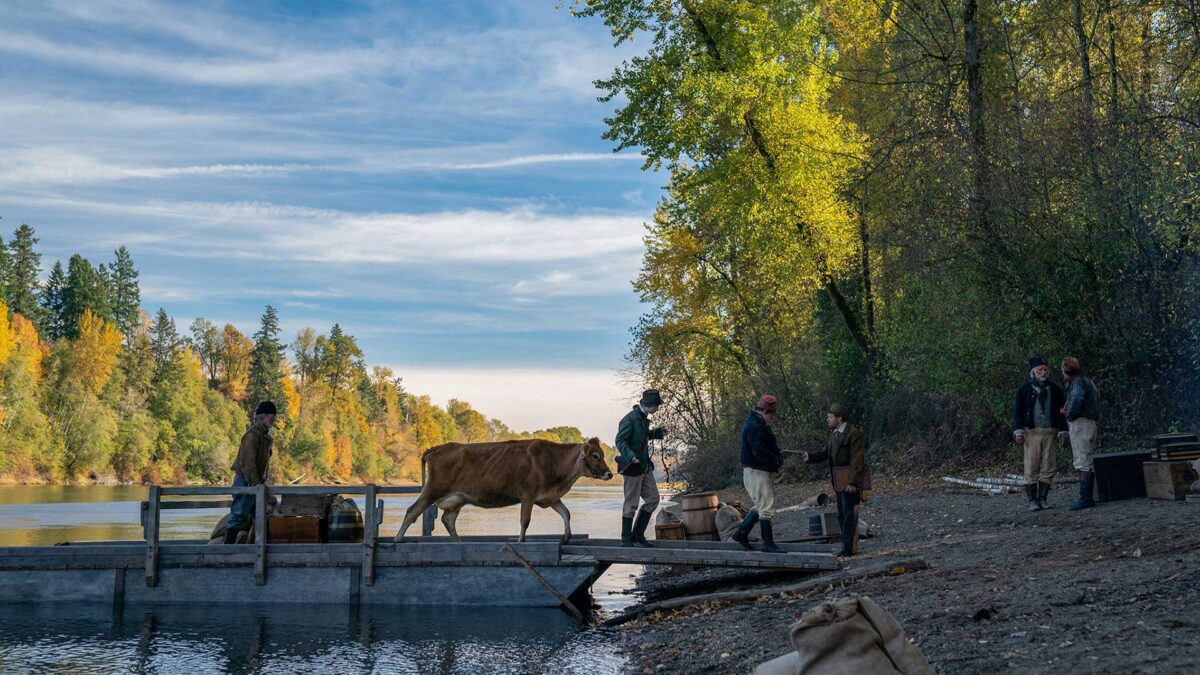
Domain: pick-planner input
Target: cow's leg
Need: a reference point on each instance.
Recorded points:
(561, 509)
(526, 513)
(410, 516)
(450, 507)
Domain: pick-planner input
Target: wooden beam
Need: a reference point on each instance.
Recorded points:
(705, 557)
(370, 535)
(873, 570)
(566, 603)
(152, 518)
(718, 545)
(260, 534)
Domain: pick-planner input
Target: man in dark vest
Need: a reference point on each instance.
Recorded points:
(633, 443)
(846, 453)
(250, 468)
(761, 460)
(1037, 422)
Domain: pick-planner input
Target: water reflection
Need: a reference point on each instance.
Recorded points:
(319, 639)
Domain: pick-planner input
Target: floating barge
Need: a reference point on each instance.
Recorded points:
(425, 570)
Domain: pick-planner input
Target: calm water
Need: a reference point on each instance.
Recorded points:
(317, 639)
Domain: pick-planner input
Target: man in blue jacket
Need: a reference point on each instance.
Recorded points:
(761, 460)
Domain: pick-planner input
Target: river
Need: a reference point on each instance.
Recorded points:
(294, 639)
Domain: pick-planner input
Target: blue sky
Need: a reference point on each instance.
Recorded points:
(428, 174)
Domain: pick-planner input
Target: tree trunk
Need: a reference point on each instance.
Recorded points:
(976, 135)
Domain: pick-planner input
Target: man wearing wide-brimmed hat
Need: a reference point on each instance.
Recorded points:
(761, 460)
(633, 443)
(250, 468)
(1037, 422)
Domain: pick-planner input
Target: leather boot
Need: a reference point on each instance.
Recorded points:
(742, 536)
(1087, 480)
(768, 537)
(639, 529)
(231, 536)
(1031, 493)
(626, 531)
(1043, 493)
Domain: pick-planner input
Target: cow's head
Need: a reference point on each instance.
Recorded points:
(593, 459)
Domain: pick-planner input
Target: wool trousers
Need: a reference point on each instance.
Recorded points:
(847, 506)
(1083, 439)
(640, 488)
(1041, 458)
(760, 485)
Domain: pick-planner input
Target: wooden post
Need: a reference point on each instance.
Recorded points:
(260, 533)
(152, 515)
(370, 534)
(566, 603)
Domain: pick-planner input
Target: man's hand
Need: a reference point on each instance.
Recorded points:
(1064, 437)
(635, 460)
(850, 489)
(1019, 435)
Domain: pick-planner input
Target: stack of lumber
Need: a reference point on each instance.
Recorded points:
(980, 486)
(1176, 447)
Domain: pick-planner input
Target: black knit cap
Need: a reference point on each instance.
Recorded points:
(1035, 361)
(265, 408)
(651, 397)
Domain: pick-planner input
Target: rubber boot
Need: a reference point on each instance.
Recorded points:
(1043, 493)
(1087, 481)
(768, 537)
(639, 529)
(1031, 493)
(626, 531)
(742, 536)
(231, 536)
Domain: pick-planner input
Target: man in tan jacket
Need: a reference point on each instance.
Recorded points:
(250, 468)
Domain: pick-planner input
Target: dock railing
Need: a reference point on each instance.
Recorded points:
(372, 517)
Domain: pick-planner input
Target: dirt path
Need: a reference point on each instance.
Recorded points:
(1114, 589)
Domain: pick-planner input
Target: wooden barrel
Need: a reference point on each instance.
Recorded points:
(700, 516)
(345, 523)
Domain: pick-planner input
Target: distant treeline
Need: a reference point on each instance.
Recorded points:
(92, 385)
(894, 204)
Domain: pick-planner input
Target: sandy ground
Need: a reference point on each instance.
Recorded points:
(1113, 589)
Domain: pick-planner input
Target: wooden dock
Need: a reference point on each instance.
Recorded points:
(426, 570)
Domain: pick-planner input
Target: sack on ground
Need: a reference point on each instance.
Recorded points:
(728, 520)
(847, 637)
(669, 513)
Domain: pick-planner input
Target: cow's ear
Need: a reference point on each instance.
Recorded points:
(594, 441)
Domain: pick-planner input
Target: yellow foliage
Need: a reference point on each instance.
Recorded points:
(8, 338)
(27, 346)
(342, 456)
(92, 357)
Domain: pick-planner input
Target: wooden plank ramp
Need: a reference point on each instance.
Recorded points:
(694, 553)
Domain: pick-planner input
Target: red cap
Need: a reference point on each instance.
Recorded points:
(767, 403)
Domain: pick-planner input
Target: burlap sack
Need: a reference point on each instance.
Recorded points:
(728, 520)
(848, 637)
(669, 513)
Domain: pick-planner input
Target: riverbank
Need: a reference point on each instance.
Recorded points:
(1109, 589)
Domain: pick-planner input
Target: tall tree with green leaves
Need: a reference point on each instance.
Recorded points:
(266, 365)
(86, 290)
(25, 264)
(52, 300)
(206, 344)
(124, 294)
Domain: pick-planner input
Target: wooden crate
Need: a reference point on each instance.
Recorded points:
(295, 529)
(670, 532)
(305, 505)
(1168, 480)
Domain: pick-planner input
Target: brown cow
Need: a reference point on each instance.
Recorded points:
(492, 475)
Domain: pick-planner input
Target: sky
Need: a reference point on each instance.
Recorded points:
(430, 175)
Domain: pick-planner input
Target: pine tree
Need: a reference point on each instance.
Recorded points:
(25, 265)
(165, 343)
(53, 295)
(266, 365)
(5, 271)
(103, 294)
(124, 294)
(85, 290)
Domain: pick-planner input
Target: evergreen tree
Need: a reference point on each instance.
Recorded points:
(266, 365)
(21, 289)
(53, 296)
(165, 343)
(103, 294)
(85, 290)
(5, 271)
(124, 294)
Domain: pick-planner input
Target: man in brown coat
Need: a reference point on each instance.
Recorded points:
(846, 453)
(250, 468)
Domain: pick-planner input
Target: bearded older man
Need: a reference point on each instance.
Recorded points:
(1038, 422)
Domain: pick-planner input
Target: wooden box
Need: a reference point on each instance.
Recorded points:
(1168, 480)
(295, 529)
(671, 532)
(1119, 474)
(305, 505)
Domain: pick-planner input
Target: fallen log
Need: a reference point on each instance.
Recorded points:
(994, 489)
(874, 570)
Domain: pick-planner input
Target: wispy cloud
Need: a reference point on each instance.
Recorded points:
(553, 158)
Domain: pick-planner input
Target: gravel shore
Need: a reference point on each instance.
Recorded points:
(1111, 589)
